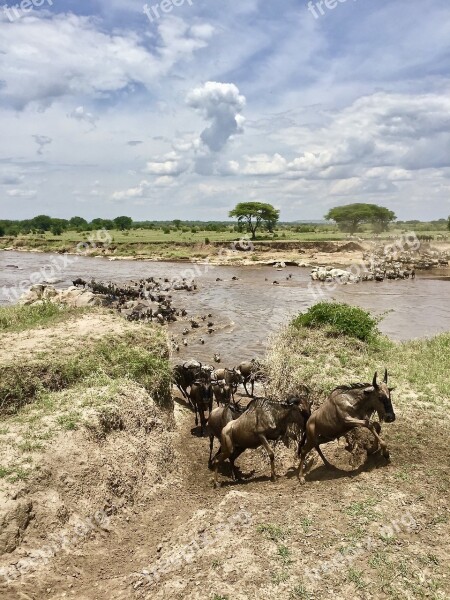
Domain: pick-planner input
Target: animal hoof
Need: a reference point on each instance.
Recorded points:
(301, 480)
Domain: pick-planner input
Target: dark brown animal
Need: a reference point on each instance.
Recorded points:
(262, 421)
(251, 372)
(345, 408)
(202, 400)
(222, 392)
(232, 377)
(217, 420)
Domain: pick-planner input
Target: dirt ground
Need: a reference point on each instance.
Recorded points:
(380, 531)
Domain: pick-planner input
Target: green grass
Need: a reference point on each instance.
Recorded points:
(284, 555)
(17, 318)
(140, 355)
(362, 509)
(299, 592)
(69, 421)
(356, 577)
(271, 531)
(340, 319)
(181, 244)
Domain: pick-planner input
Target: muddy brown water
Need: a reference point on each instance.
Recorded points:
(249, 310)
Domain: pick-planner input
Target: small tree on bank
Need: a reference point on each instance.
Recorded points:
(255, 214)
(352, 216)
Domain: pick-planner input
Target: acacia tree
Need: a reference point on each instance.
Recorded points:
(352, 216)
(123, 223)
(255, 214)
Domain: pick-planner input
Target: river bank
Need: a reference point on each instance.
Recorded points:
(336, 253)
(92, 473)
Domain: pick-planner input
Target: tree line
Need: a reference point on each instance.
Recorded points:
(251, 217)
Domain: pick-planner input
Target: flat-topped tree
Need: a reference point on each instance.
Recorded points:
(255, 214)
(351, 216)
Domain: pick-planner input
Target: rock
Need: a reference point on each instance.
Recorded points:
(13, 523)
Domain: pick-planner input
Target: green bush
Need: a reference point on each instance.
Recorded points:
(341, 319)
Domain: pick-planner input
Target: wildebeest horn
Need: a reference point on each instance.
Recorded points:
(374, 382)
(385, 376)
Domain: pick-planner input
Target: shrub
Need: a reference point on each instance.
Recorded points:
(206, 240)
(341, 319)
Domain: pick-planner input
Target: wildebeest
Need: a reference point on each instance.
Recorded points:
(202, 399)
(79, 281)
(251, 372)
(185, 374)
(217, 420)
(347, 406)
(222, 392)
(232, 377)
(263, 420)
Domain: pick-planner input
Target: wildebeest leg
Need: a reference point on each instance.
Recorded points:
(381, 442)
(244, 383)
(309, 442)
(326, 462)
(269, 451)
(253, 387)
(211, 446)
(233, 458)
(202, 420)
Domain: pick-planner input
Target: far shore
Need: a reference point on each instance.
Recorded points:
(336, 253)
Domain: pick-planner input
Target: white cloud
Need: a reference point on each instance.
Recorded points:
(171, 165)
(20, 193)
(221, 104)
(42, 59)
(81, 114)
(136, 192)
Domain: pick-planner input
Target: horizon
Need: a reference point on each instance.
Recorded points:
(183, 109)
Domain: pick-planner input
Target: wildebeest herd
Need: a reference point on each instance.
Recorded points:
(143, 300)
(344, 412)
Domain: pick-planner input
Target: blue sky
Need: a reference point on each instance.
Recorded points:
(104, 112)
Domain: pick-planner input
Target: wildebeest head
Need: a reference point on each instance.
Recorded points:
(380, 394)
(303, 404)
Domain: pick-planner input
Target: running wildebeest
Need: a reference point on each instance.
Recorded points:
(262, 421)
(217, 420)
(347, 406)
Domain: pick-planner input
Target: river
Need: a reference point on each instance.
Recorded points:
(250, 309)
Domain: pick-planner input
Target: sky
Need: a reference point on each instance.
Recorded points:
(182, 108)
